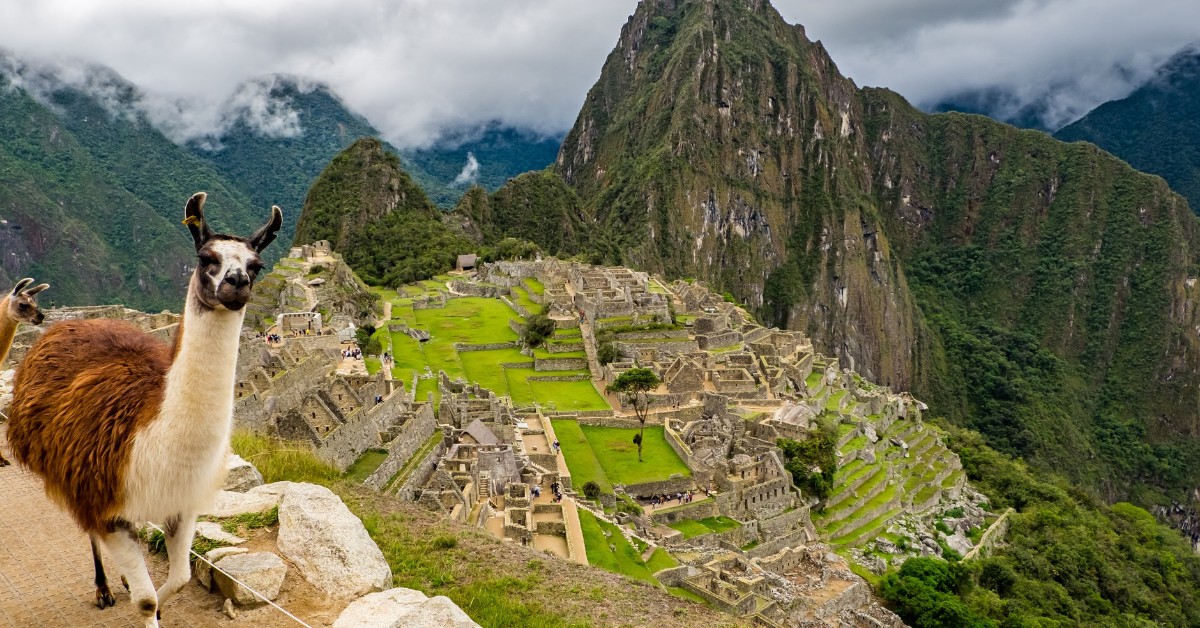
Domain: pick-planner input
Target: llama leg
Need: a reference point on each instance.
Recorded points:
(126, 551)
(179, 532)
(104, 597)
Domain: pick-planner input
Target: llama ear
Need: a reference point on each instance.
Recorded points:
(266, 234)
(193, 217)
(21, 285)
(36, 289)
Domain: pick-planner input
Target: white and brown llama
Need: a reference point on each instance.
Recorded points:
(18, 306)
(124, 428)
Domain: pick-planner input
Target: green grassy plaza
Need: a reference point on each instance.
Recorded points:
(607, 455)
(626, 559)
(476, 321)
(693, 528)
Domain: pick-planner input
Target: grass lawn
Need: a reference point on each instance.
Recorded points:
(521, 297)
(366, 465)
(690, 528)
(625, 560)
(661, 559)
(535, 286)
(575, 396)
(720, 524)
(614, 447)
(581, 460)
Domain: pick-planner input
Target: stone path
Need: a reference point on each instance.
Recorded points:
(46, 571)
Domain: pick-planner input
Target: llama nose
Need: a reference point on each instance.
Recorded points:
(237, 279)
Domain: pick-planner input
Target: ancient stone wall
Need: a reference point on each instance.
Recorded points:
(411, 436)
(560, 364)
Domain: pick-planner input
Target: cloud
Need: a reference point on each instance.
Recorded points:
(1061, 57)
(470, 171)
(412, 67)
(415, 68)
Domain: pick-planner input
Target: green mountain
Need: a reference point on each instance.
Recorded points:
(497, 152)
(91, 195)
(536, 207)
(378, 218)
(278, 168)
(1156, 128)
(1038, 291)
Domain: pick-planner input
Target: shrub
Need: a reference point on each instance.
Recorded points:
(538, 328)
(591, 490)
(606, 353)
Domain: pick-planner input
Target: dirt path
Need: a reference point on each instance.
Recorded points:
(46, 574)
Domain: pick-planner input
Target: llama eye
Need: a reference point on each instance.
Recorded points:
(207, 259)
(254, 267)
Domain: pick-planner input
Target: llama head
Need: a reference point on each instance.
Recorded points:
(21, 304)
(228, 264)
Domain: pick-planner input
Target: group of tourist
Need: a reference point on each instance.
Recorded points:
(352, 353)
(557, 488)
(272, 339)
(683, 497)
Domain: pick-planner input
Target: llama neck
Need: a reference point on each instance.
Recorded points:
(8, 329)
(198, 399)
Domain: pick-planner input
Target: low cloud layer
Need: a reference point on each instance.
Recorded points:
(415, 68)
(1063, 57)
(470, 171)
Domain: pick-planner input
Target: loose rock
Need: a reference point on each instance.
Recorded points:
(261, 571)
(403, 608)
(241, 476)
(214, 532)
(204, 572)
(258, 499)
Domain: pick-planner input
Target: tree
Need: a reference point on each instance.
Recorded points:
(606, 353)
(538, 328)
(362, 336)
(633, 386)
(591, 490)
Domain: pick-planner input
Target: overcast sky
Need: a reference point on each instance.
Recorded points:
(414, 67)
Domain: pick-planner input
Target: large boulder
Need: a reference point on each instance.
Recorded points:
(238, 575)
(328, 544)
(241, 476)
(403, 608)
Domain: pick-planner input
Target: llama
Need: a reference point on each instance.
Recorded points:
(124, 428)
(18, 306)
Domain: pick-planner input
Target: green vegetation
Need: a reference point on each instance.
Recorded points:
(537, 328)
(279, 461)
(93, 200)
(352, 204)
(625, 559)
(1154, 127)
(812, 462)
(501, 152)
(614, 447)
(605, 455)
(633, 385)
(1068, 559)
(535, 206)
(692, 528)
(366, 464)
(581, 459)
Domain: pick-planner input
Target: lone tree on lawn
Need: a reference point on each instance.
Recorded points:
(633, 386)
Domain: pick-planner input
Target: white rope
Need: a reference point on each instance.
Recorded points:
(243, 584)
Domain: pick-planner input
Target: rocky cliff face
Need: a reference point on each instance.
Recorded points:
(721, 143)
(1039, 291)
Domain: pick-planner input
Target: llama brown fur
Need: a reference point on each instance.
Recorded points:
(119, 375)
